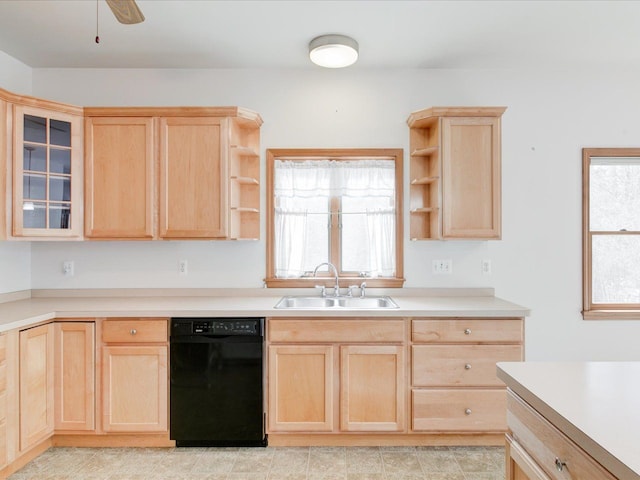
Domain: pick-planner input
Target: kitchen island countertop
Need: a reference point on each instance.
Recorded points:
(595, 404)
(46, 305)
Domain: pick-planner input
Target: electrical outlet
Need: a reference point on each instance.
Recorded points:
(485, 267)
(68, 268)
(443, 267)
(183, 267)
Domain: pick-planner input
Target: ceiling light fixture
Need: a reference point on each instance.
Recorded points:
(333, 51)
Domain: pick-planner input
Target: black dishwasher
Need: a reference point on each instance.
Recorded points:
(216, 382)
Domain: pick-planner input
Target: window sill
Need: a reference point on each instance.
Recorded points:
(310, 282)
(611, 315)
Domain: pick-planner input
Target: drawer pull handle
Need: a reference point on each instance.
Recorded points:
(467, 411)
(467, 366)
(560, 464)
(467, 331)
(133, 331)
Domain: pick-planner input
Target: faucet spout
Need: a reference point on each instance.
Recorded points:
(336, 288)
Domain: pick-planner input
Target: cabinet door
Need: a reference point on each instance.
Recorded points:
(74, 376)
(36, 385)
(47, 173)
(372, 386)
(119, 180)
(134, 388)
(193, 177)
(520, 466)
(301, 394)
(471, 177)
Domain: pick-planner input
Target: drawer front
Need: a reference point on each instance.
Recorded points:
(314, 330)
(459, 410)
(556, 454)
(467, 330)
(133, 330)
(460, 365)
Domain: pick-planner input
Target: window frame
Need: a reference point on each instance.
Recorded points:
(591, 310)
(326, 278)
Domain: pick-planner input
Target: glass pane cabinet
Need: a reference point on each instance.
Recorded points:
(47, 173)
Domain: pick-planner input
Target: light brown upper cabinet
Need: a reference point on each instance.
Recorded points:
(119, 177)
(172, 173)
(193, 187)
(47, 173)
(455, 190)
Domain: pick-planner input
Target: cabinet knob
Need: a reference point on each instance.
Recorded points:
(467, 366)
(467, 331)
(560, 464)
(133, 331)
(467, 411)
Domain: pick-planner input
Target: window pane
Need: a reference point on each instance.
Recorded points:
(368, 235)
(614, 196)
(59, 216)
(615, 269)
(34, 215)
(35, 129)
(60, 189)
(34, 158)
(34, 187)
(60, 133)
(60, 161)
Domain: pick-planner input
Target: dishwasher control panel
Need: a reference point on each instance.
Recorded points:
(216, 326)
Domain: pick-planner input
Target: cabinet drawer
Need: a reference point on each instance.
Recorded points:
(314, 330)
(134, 330)
(467, 330)
(460, 410)
(547, 445)
(460, 365)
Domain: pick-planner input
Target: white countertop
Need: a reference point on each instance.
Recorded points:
(240, 303)
(593, 403)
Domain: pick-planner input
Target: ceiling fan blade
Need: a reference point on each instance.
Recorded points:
(126, 11)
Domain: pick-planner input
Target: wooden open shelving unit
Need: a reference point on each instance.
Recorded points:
(244, 179)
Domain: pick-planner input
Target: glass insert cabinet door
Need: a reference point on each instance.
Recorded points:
(47, 173)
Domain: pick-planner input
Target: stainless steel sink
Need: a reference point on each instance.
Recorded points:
(333, 302)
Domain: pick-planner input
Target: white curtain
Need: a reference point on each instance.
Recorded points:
(303, 190)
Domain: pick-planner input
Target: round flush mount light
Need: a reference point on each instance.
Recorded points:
(333, 51)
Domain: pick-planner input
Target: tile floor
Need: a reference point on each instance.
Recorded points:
(271, 463)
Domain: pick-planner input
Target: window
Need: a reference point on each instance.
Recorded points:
(611, 236)
(337, 206)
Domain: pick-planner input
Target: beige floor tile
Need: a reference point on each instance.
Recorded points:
(272, 463)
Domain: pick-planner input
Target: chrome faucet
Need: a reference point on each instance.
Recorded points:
(336, 288)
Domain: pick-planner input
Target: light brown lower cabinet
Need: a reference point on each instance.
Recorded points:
(321, 380)
(372, 386)
(537, 450)
(75, 370)
(301, 388)
(135, 375)
(3, 400)
(36, 385)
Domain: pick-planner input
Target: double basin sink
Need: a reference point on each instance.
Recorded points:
(336, 302)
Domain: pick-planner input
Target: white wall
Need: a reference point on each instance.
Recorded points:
(15, 258)
(550, 117)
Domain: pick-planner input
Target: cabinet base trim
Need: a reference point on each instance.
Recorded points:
(372, 440)
(134, 440)
(25, 458)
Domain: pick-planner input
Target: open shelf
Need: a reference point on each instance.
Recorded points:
(425, 152)
(244, 181)
(424, 180)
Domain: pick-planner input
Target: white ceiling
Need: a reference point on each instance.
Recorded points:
(275, 34)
